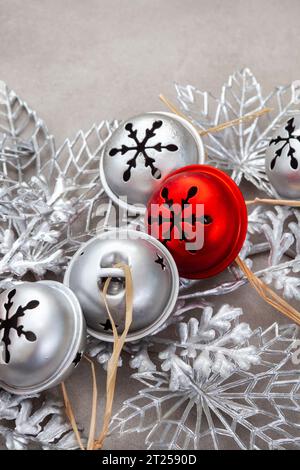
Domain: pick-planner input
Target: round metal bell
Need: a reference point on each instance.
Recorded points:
(283, 159)
(217, 232)
(142, 151)
(42, 336)
(154, 275)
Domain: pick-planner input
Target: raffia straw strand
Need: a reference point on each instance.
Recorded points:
(234, 122)
(70, 415)
(117, 348)
(220, 127)
(173, 108)
(93, 420)
(268, 294)
(94, 444)
(274, 202)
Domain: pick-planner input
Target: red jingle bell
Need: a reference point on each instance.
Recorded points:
(200, 215)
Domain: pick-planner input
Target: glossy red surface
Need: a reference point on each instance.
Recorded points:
(222, 221)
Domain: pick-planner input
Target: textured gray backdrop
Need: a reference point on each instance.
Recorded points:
(80, 61)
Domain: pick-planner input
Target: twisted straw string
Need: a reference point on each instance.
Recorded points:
(268, 294)
(274, 202)
(70, 413)
(117, 348)
(219, 127)
(112, 368)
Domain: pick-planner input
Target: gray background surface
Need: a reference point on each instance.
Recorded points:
(77, 62)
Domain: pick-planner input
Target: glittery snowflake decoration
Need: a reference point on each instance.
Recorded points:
(219, 387)
(33, 422)
(240, 149)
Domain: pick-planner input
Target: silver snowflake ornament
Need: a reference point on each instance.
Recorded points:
(37, 421)
(246, 396)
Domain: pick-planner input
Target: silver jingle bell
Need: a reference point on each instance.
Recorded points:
(142, 151)
(42, 333)
(154, 275)
(283, 159)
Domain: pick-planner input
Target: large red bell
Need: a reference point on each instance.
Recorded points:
(200, 215)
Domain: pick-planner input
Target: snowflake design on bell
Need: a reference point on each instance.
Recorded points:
(11, 323)
(141, 147)
(176, 219)
(286, 141)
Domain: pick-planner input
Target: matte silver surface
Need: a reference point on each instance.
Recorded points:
(132, 168)
(155, 285)
(283, 159)
(57, 324)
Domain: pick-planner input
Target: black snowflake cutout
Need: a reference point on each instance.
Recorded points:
(177, 217)
(290, 128)
(141, 147)
(11, 323)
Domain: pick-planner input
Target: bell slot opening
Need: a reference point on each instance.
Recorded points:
(116, 285)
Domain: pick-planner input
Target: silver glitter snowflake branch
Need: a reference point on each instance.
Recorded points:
(205, 400)
(28, 415)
